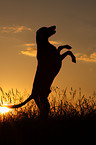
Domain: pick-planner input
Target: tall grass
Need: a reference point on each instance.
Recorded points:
(62, 104)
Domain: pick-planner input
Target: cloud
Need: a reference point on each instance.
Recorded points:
(15, 29)
(29, 52)
(54, 42)
(30, 49)
(30, 44)
(85, 57)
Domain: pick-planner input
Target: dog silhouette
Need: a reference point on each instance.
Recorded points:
(49, 65)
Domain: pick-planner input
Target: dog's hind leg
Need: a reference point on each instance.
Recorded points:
(43, 105)
(68, 53)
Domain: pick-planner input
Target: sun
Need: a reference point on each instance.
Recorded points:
(4, 110)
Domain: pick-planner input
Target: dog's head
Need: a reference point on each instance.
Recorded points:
(44, 33)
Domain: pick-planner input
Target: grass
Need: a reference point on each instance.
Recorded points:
(72, 117)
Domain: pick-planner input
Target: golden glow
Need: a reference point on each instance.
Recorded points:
(4, 110)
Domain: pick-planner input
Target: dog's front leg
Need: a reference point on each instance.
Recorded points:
(64, 46)
(69, 53)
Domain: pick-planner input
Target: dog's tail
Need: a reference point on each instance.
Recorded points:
(19, 105)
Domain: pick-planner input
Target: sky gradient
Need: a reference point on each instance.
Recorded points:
(76, 25)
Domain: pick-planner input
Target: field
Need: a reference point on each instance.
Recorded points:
(72, 119)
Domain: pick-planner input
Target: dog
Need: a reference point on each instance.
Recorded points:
(49, 64)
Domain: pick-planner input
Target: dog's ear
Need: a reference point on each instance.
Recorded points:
(42, 34)
(42, 31)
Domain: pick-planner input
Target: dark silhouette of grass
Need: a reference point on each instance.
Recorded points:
(71, 119)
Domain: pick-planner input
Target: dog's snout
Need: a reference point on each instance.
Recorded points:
(52, 27)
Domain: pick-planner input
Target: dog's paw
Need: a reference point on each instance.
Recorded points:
(74, 59)
(68, 47)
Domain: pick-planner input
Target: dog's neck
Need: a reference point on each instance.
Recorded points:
(43, 42)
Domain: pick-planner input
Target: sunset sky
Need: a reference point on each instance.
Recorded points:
(76, 25)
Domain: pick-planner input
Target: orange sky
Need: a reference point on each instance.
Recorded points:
(76, 26)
